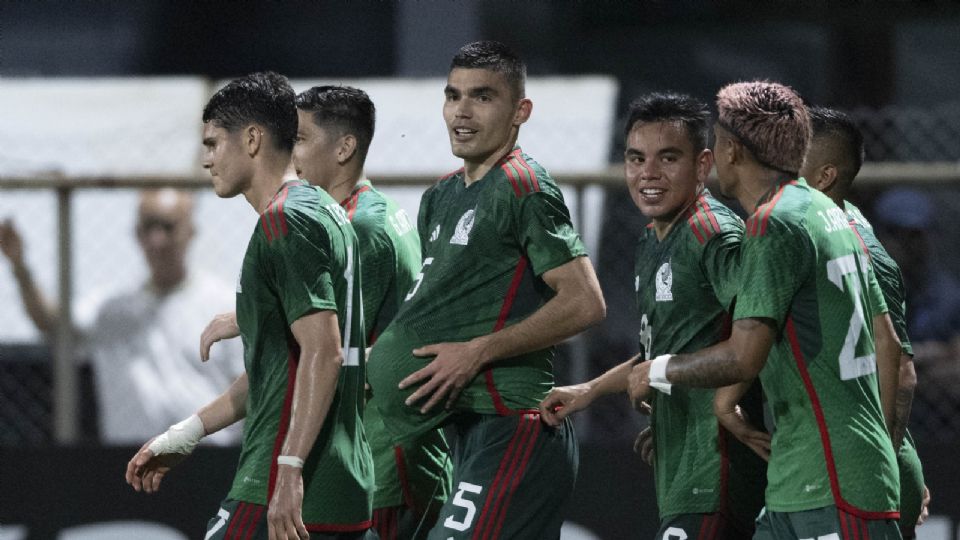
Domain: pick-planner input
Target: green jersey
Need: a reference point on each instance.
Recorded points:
(685, 285)
(485, 248)
(888, 275)
(390, 251)
(804, 268)
(302, 258)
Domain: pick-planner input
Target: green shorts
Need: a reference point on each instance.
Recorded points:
(238, 520)
(513, 477)
(402, 523)
(827, 523)
(714, 526)
(911, 487)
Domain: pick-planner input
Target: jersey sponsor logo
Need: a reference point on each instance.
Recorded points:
(665, 283)
(702, 491)
(462, 234)
(435, 234)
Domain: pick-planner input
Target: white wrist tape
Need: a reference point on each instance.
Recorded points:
(658, 373)
(181, 438)
(292, 461)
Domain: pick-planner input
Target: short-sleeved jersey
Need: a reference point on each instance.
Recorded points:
(390, 256)
(888, 275)
(485, 247)
(685, 285)
(302, 258)
(804, 269)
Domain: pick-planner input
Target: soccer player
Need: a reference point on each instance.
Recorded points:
(687, 273)
(335, 130)
(504, 278)
(807, 316)
(832, 162)
(305, 465)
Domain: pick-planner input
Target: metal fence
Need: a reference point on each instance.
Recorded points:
(79, 241)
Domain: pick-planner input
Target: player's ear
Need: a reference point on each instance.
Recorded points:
(347, 148)
(524, 108)
(825, 177)
(704, 164)
(252, 139)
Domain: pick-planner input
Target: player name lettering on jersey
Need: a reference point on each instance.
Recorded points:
(834, 220)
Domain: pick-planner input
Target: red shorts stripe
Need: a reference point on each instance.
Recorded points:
(242, 523)
(252, 528)
(233, 520)
(506, 486)
(498, 479)
(534, 420)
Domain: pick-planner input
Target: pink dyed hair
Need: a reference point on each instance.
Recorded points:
(769, 119)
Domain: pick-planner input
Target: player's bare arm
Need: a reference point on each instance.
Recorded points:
(157, 456)
(577, 305)
(738, 359)
(42, 313)
(731, 417)
(907, 382)
(564, 400)
(222, 326)
(888, 374)
(321, 357)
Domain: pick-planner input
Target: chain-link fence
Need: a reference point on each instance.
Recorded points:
(105, 260)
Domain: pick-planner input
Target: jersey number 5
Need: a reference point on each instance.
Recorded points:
(846, 270)
(416, 286)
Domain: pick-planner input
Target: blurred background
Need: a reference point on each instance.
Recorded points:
(101, 99)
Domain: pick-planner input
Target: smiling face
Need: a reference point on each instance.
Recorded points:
(663, 171)
(224, 156)
(482, 114)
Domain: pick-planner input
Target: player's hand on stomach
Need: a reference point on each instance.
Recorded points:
(285, 514)
(644, 445)
(453, 367)
(223, 326)
(146, 470)
(564, 400)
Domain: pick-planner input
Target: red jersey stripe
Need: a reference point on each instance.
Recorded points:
(280, 215)
(402, 474)
(696, 231)
(825, 434)
(513, 181)
(530, 172)
(705, 227)
(705, 206)
(504, 490)
(293, 358)
(266, 227)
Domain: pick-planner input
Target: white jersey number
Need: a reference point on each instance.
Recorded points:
(459, 500)
(416, 286)
(851, 365)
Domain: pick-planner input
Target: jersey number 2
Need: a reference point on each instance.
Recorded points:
(852, 365)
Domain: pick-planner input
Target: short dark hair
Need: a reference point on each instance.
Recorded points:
(672, 107)
(264, 98)
(493, 56)
(843, 131)
(343, 108)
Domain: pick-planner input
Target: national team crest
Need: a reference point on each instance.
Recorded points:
(462, 235)
(664, 282)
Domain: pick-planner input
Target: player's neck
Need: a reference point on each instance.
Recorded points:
(262, 189)
(756, 183)
(663, 226)
(343, 184)
(475, 169)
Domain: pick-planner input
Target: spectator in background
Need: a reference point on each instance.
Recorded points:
(142, 342)
(905, 221)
